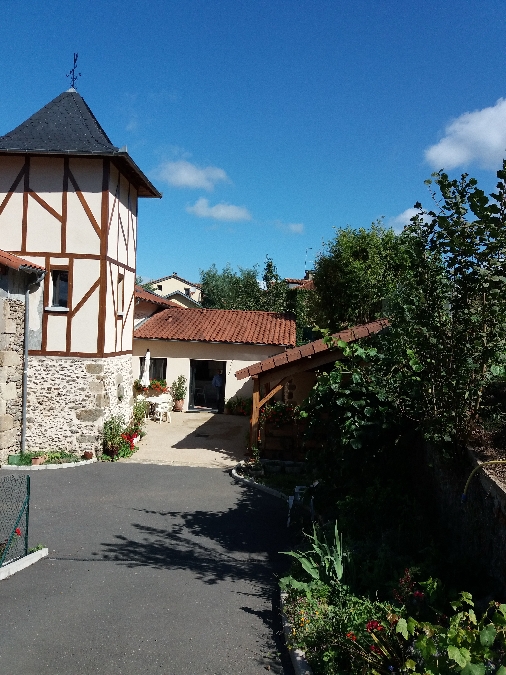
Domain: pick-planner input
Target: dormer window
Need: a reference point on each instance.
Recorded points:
(187, 292)
(60, 280)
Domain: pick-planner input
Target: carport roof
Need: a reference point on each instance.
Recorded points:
(311, 349)
(219, 325)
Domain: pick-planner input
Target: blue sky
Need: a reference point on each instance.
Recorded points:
(267, 124)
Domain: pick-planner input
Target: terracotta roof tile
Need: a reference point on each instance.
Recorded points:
(147, 296)
(16, 263)
(312, 348)
(219, 325)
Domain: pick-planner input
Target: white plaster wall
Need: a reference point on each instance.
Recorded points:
(57, 332)
(89, 175)
(112, 242)
(43, 232)
(86, 273)
(46, 179)
(81, 235)
(84, 331)
(12, 215)
(171, 285)
(178, 355)
(11, 221)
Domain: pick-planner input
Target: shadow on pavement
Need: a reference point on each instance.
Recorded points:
(242, 542)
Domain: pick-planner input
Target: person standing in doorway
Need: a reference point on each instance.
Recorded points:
(218, 384)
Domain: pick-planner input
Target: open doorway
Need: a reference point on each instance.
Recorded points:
(202, 394)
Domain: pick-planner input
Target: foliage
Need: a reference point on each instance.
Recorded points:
(230, 290)
(178, 388)
(239, 406)
(461, 643)
(51, 457)
(139, 411)
(117, 441)
(355, 275)
(278, 413)
(146, 285)
(159, 386)
(323, 562)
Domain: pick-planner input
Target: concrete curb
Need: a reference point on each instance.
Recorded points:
(300, 665)
(258, 486)
(18, 565)
(67, 465)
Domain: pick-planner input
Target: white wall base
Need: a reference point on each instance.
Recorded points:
(18, 565)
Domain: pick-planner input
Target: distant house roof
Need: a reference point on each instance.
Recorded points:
(219, 325)
(147, 296)
(175, 276)
(16, 263)
(312, 348)
(185, 297)
(307, 284)
(67, 126)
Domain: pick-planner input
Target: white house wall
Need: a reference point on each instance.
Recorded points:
(179, 354)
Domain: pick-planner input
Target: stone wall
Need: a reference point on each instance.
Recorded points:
(69, 398)
(11, 374)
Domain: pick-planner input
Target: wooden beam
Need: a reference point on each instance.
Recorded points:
(255, 414)
(273, 392)
(301, 366)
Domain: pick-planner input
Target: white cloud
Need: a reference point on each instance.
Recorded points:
(474, 136)
(221, 211)
(291, 228)
(184, 174)
(399, 222)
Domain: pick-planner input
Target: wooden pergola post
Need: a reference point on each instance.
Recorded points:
(255, 414)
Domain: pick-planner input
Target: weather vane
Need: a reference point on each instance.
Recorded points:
(72, 74)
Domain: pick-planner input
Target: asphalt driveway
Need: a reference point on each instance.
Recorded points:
(152, 569)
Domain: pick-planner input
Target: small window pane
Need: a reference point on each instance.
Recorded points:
(60, 288)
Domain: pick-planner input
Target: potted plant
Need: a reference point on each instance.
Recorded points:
(178, 391)
(38, 459)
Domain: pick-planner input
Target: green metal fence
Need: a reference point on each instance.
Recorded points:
(14, 516)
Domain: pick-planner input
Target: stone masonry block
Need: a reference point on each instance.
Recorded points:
(119, 378)
(8, 391)
(94, 368)
(7, 439)
(103, 400)
(9, 358)
(6, 422)
(90, 415)
(10, 327)
(97, 387)
(83, 438)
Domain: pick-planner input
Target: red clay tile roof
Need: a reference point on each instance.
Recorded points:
(349, 335)
(219, 325)
(147, 296)
(307, 284)
(16, 263)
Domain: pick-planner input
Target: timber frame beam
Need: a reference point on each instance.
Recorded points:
(278, 377)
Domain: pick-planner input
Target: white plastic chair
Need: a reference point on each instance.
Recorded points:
(161, 411)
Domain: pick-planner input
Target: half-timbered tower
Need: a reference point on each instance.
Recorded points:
(68, 202)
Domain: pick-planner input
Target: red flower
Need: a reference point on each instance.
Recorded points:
(419, 595)
(351, 636)
(375, 649)
(18, 531)
(373, 625)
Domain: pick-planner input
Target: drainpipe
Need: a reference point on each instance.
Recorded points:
(37, 278)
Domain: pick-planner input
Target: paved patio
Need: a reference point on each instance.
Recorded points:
(194, 439)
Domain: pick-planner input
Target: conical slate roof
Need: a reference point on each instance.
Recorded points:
(66, 125)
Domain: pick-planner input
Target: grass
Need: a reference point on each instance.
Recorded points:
(52, 457)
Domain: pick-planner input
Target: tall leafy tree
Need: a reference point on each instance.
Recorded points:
(355, 275)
